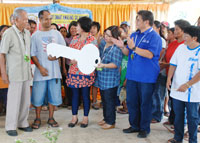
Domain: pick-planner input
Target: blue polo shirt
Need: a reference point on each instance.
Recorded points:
(142, 69)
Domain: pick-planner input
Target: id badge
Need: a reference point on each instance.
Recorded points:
(99, 69)
(26, 58)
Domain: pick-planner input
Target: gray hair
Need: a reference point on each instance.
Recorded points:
(17, 13)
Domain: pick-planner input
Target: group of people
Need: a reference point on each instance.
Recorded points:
(144, 63)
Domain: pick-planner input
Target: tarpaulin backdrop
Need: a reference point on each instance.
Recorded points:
(61, 15)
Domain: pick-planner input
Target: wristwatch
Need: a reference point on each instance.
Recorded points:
(134, 48)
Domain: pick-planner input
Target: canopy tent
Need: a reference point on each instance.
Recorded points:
(106, 15)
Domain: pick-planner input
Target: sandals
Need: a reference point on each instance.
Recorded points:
(36, 125)
(173, 141)
(122, 111)
(53, 123)
(166, 114)
(95, 106)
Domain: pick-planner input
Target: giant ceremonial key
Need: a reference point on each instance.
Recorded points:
(87, 58)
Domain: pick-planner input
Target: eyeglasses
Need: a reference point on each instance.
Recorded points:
(106, 34)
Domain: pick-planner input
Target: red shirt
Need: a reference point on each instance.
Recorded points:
(170, 51)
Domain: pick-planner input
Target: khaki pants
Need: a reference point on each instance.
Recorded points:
(18, 102)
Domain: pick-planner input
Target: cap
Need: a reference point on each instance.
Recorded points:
(125, 23)
(165, 23)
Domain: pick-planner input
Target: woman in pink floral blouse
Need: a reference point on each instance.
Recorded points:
(76, 79)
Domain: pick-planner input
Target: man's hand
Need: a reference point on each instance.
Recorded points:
(43, 71)
(183, 88)
(50, 58)
(130, 42)
(5, 78)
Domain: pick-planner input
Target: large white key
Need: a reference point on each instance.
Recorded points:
(87, 58)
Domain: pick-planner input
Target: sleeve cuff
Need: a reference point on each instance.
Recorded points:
(173, 64)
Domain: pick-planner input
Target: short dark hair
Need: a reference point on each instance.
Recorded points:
(3, 26)
(63, 27)
(30, 21)
(73, 23)
(146, 15)
(96, 24)
(85, 23)
(182, 24)
(41, 13)
(193, 31)
(124, 29)
(171, 29)
(56, 26)
(158, 25)
(114, 31)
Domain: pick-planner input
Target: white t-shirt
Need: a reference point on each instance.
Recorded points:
(164, 44)
(187, 62)
(39, 42)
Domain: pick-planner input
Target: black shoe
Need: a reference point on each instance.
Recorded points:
(83, 125)
(12, 132)
(71, 125)
(142, 134)
(27, 129)
(130, 130)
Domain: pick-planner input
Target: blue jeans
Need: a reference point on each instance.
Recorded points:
(108, 98)
(139, 103)
(86, 100)
(192, 118)
(158, 98)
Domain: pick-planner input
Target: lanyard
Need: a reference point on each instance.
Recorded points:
(141, 38)
(22, 41)
(107, 53)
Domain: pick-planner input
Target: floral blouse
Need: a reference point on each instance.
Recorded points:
(75, 78)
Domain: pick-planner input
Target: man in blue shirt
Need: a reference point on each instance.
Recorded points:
(143, 52)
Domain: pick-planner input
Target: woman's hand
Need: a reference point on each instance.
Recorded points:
(101, 65)
(119, 43)
(183, 87)
(73, 62)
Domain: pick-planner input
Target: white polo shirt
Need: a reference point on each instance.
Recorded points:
(187, 62)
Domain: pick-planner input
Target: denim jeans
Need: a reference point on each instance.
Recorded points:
(192, 118)
(158, 98)
(108, 98)
(139, 103)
